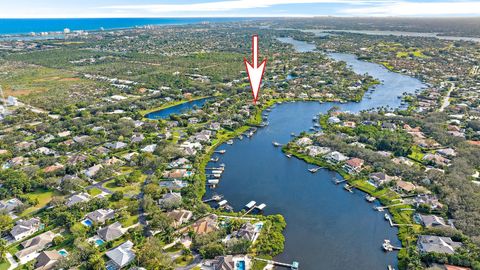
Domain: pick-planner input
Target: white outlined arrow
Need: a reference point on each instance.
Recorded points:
(255, 72)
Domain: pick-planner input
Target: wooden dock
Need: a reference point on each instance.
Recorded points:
(293, 265)
(214, 198)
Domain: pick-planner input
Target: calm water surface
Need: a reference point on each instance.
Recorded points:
(327, 227)
(177, 109)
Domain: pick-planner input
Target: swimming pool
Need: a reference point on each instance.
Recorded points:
(87, 222)
(99, 242)
(240, 265)
(63, 252)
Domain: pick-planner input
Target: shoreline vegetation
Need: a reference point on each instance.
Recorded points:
(406, 234)
(170, 105)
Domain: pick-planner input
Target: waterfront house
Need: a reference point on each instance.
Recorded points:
(354, 165)
(25, 228)
(47, 260)
(179, 217)
(32, 246)
(122, 255)
(431, 221)
(335, 157)
(304, 141)
(437, 266)
(437, 244)
(78, 198)
(427, 199)
(333, 120)
(379, 178)
(205, 225)
(111, 232)
(229, 262)
(314, 150)
(100, 216)
(247, 231)
(404, 186)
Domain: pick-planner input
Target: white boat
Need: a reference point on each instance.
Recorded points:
(222, 203)
(276, 144)
(213, 181)
(289, 155)
(370, 198)
(230, 142)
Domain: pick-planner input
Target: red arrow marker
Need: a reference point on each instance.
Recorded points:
(255, 72)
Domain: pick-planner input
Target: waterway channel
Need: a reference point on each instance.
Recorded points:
(327, 227)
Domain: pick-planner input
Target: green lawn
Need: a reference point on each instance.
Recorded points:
(416, 154)
(43, 197)
(129, 189)
(4, 265)
(183, 260)
(130, 221)
(94, 191)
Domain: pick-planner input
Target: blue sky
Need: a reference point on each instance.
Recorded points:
(233, 8)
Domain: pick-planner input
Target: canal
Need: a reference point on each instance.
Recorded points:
(327, 227)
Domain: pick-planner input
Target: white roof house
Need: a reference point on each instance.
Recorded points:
(78, 198)
(122, 255)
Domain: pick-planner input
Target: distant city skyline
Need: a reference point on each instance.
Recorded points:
(235, 8)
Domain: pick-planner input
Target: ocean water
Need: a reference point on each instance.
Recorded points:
(25, 26)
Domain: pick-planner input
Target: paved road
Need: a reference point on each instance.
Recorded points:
(11, 260)
(446, 100)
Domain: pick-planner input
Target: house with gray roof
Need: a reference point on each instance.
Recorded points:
(111, 232)
(8, 206)
(32, 246)
(25, 228)
(122, 255)
(47, 260)
(101, 215)
(78, 198)
(437, 244)
(431, 221)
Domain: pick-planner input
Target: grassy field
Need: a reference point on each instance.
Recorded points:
(43, 197)
(4, 265)
(129, 189)
(94, 191)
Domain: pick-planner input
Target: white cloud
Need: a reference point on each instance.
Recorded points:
(417, 9)
(230, 5)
